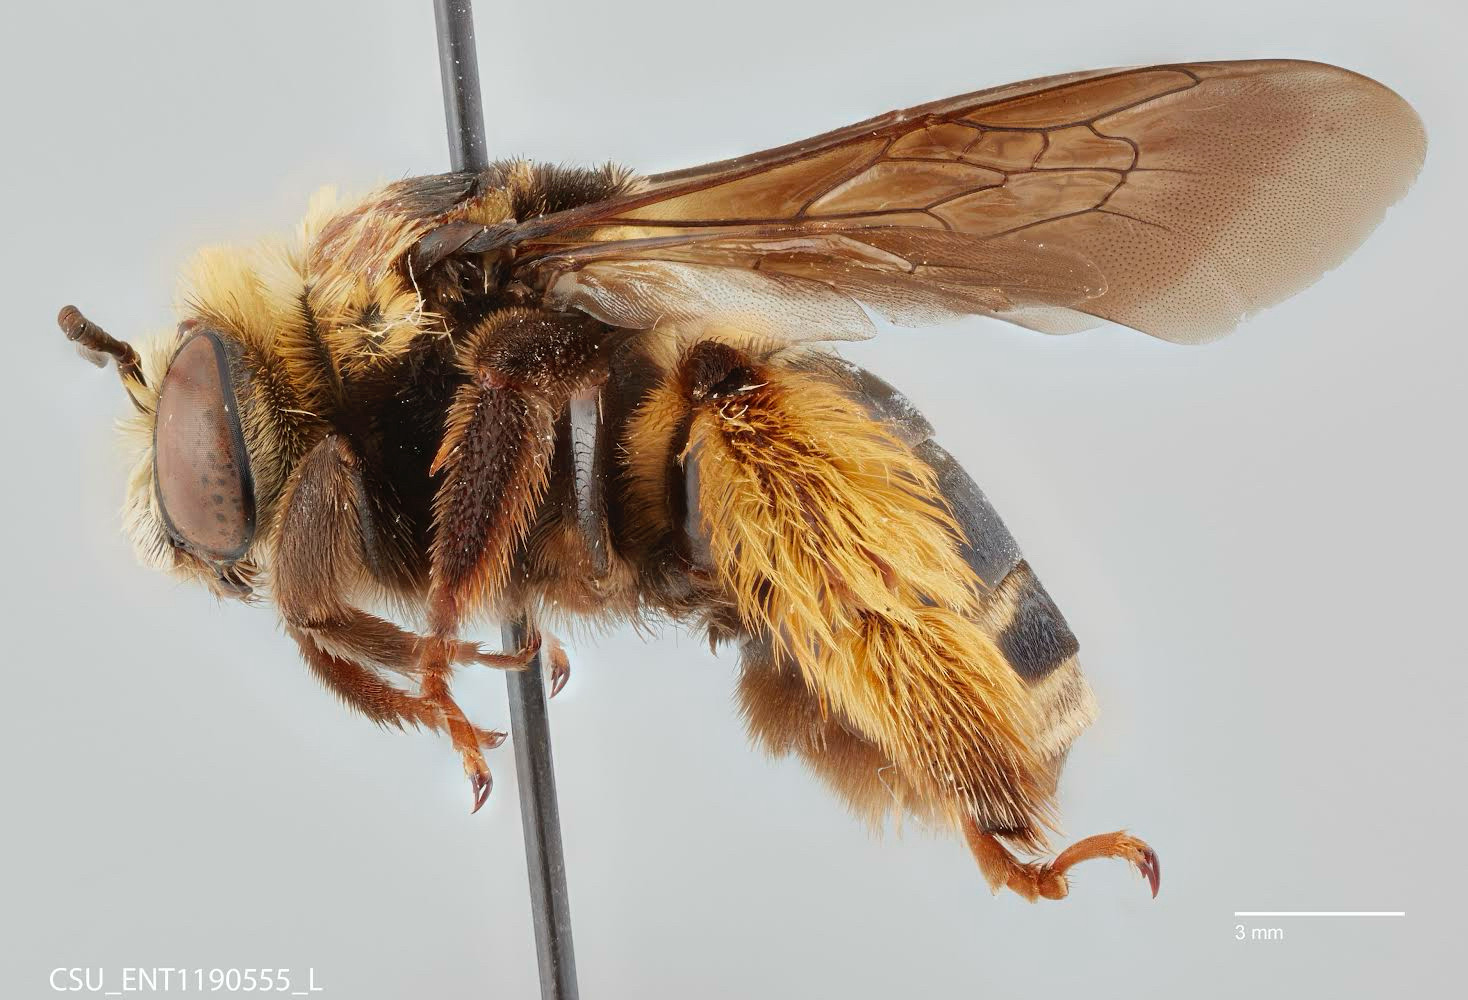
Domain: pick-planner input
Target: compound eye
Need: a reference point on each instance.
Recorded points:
(202, 469)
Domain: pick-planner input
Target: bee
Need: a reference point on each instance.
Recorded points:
(585, 394)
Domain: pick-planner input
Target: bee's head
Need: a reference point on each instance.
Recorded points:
(192, 505)
(228, 402)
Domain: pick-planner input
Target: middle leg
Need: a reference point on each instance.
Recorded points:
(493, 466)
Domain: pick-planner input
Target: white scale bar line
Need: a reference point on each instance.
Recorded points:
(1320, 913)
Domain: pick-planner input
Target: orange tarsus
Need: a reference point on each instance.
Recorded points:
(1033, 881)
(560, 666)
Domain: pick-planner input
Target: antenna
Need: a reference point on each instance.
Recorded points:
(97, 345)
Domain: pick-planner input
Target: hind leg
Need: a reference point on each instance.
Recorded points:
(1035, 880)
(784, 718)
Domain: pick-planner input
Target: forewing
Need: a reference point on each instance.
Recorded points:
(1173, 199)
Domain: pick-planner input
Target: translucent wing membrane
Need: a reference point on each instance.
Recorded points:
(1173, 199)
(804, 287)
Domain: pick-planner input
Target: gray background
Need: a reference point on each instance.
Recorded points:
(1259, 543)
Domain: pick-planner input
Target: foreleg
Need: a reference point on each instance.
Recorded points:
(325, 532)
(367, 691)
(322, 549)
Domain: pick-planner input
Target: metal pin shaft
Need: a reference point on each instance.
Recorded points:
(458, 70)
(540, 817)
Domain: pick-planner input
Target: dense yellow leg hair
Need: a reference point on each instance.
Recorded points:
(832, 538)
(951, 713)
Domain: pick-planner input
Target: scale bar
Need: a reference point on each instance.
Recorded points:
(1320, 913)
